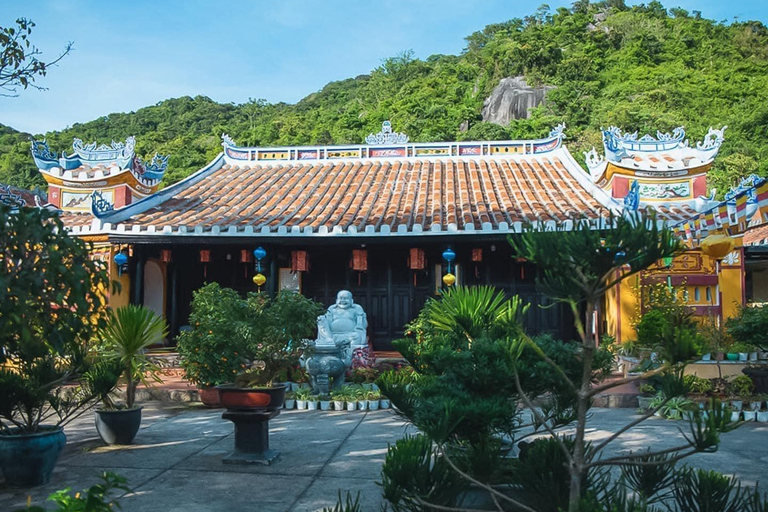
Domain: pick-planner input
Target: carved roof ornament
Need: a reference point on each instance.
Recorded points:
(386, 136)
(9, 198)
(99, 205)
(226, 140)
(712, 140)
(116, 151)
(592, 158)
(747, 185)
(632, 199)
(558, 131)
(40, 149)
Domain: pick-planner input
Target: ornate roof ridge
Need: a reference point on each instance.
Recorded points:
(388, 144)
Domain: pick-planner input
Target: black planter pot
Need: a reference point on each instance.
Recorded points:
(28, 459)
(118, 427)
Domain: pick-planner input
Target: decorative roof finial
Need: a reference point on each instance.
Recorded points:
(386, 136)
(226, 140)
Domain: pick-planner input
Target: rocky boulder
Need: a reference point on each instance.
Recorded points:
(512, 99)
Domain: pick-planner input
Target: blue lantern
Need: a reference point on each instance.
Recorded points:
(259, 253)
(449, 255)
(121, 260)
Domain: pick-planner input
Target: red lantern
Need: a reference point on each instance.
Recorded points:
(417, 260)
(205, 256)
(299, 261)
(246, 256)
(360, 260)
(477, 255)
(165, 256)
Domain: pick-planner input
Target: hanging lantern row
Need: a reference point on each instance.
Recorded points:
(449, 278)
(259, 279)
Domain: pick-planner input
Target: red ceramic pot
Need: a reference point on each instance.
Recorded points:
(269, 399)
(210, 397)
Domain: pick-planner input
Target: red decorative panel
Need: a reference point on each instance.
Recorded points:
(246, 256)
(700, 186)
(477, 254)
(54, 196)
(360, 260)
(620, 187)
(386, 152)
(122, 196)
(299, 261)
(165, 256)
(417, 260)
(205, 256)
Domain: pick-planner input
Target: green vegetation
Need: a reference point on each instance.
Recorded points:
(641, 68)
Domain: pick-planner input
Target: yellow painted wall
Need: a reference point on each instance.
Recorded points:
(123, 298)
(622, 302)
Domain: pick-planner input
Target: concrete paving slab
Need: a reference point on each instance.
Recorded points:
(176, 463)
(185, 491)
(306, 442)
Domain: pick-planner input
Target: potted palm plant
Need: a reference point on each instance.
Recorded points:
(50, 307)
(290, 400)
(312, 401)
(325, 402)
(373, 398)
(125, 339)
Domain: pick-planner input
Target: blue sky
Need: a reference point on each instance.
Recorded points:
(128, 55)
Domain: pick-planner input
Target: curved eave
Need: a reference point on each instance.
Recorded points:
(113, 179)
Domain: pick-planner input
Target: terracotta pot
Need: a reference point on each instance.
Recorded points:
(270, 399)
(210, 397)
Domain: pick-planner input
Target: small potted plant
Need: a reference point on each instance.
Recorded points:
(647, 392)
(740, 388)
(325, 402)
(361, 396)
(373, 398)
(338, 396)
(312, 401)
(130, 330)
(350, 397)
(290, 400)
(384, 403)
(302, 395)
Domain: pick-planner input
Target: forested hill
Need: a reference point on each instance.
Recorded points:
(641, 68)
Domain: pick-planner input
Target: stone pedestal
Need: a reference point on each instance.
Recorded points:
(251, 437)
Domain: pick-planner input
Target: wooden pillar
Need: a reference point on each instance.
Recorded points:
(274, 274)
(173, 302)
(138, 278)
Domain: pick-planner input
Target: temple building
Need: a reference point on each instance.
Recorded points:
(388, 220)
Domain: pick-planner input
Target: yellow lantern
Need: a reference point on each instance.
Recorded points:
(717, 246)
(449, 279)
(259, 279)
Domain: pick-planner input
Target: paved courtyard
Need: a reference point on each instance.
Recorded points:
(176, 465)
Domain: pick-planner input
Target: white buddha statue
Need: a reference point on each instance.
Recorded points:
(345, 321)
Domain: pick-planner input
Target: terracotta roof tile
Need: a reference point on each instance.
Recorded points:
(417, 194)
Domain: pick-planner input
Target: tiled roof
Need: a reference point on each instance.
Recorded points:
(756, 236)
(369, 196)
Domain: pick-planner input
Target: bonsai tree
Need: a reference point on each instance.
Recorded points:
(214, 350)
(125, 338)
(276, 334)
(51, 304)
